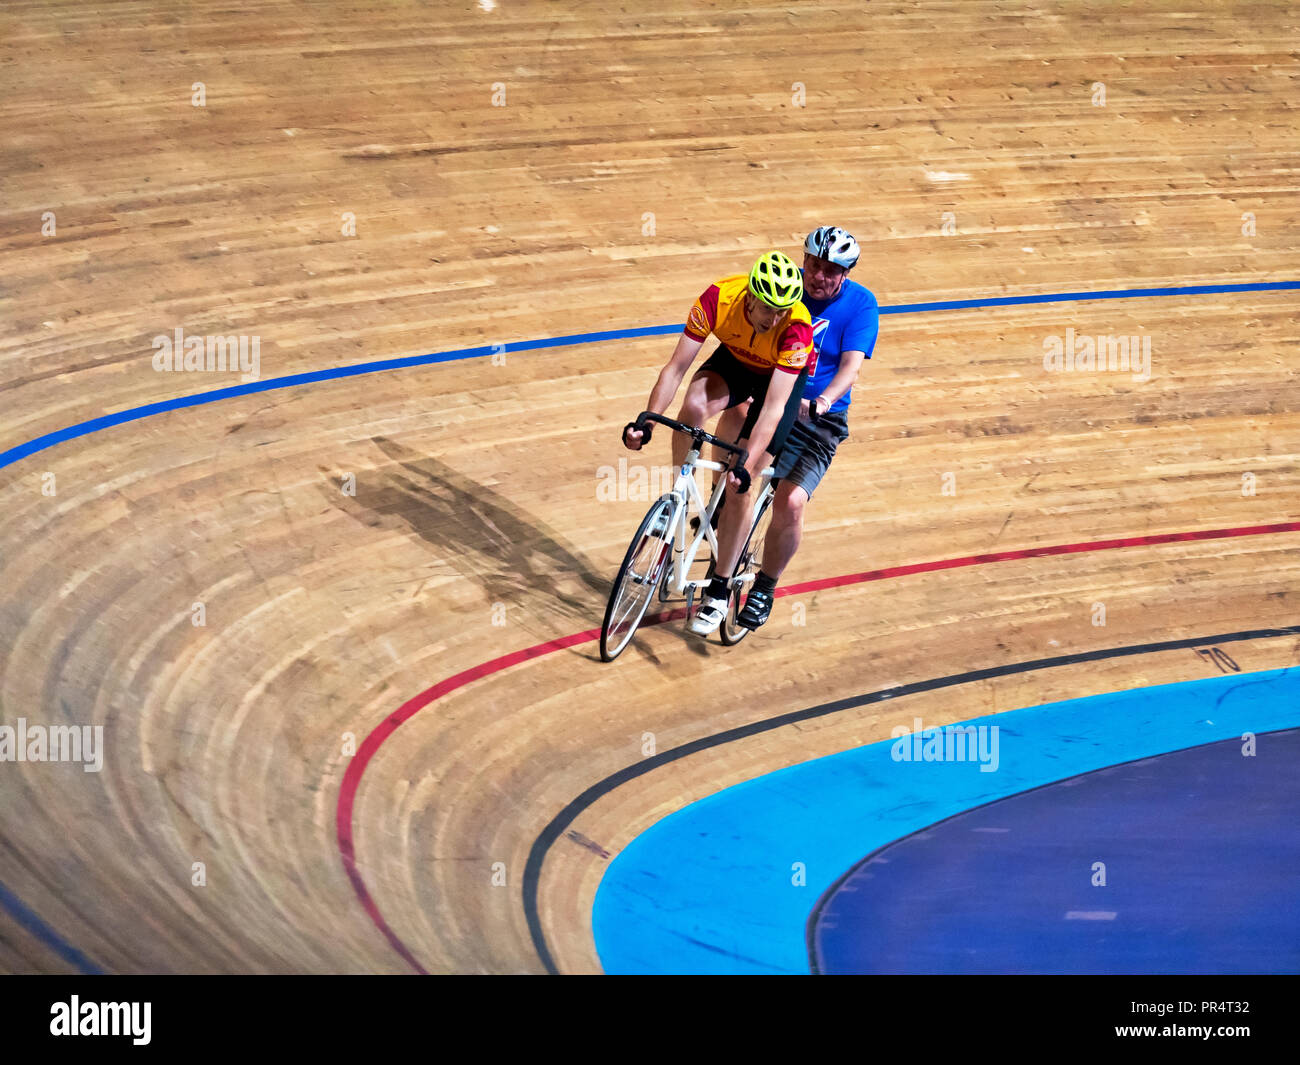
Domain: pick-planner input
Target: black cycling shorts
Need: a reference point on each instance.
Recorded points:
(744, 383)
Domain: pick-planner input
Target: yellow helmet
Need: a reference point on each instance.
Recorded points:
(776, 280)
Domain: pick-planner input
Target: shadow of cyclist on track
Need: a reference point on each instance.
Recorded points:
(512, 555)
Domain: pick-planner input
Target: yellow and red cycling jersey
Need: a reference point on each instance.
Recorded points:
(720, 310)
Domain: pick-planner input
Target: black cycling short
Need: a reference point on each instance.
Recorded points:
(744, 383)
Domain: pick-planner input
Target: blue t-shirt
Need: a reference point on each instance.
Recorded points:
(849, 322)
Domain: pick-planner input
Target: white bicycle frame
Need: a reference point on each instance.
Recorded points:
(683, 491)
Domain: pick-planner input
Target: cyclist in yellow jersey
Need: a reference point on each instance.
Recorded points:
(765, 352)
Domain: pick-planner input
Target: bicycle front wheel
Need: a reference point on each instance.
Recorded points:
(731, 631)
(644, 567)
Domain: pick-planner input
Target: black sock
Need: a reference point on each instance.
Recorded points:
(764, 583)
(718, 588)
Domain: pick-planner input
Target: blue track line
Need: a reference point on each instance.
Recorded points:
(1107, 294)
(45, 933)
(41, 443)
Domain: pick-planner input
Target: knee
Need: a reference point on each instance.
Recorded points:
(790, 506)
(694, 407)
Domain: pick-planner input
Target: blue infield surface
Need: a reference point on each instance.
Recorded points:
(731, 883)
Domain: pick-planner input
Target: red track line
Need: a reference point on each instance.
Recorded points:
(372, 743)
(1034, 552)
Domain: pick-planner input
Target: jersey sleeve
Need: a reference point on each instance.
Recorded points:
(704, 315)
(795, 351)
(861, 332)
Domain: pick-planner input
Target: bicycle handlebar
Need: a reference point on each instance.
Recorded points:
(699, 436)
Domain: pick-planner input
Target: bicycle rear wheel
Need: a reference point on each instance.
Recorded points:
(644, 567)
(731, 631)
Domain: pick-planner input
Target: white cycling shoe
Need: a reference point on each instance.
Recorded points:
(708, 617)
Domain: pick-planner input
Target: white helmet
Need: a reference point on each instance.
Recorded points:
(833, 244)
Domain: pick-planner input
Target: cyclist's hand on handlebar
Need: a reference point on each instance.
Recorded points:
(740, 479)
(634, 439)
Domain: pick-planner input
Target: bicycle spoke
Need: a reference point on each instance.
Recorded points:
(638, 579)
(633, 606)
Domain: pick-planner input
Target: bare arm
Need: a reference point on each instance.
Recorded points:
(845, 378)
(670, 377)
(670, 380)
(769, 417)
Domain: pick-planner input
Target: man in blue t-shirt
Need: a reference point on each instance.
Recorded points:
(845, 323)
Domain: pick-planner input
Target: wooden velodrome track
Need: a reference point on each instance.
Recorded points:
(476, 480)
